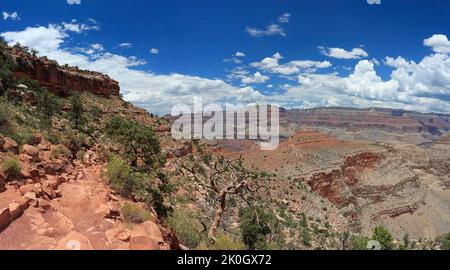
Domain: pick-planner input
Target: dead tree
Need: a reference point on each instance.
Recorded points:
(224, 177)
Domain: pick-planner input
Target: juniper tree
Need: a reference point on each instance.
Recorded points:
(225, 178)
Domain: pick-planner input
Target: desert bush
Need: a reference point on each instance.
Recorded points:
(255, 227)
(96, 113)
(134, 213)
(7, 73)
(139, 141)
(223, 242)
(48, 105)
(75, 141)
(118, 173)
(76, 110)
(306, 236)
(24, 136)
(53, 137)
(5, 121)
(385, 238)
(58, 152)
(11, 167)
(184, 221)
(359, 242)
(80, 155)
(444, 241)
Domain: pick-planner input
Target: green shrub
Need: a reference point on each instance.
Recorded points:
(359, 242)
(184, 221)
(75, 142)
(385, 238)
(53, 137)
(118, 173)
(139, 141)
(223, 242)
(444, 241)
(76, 110)
(80, 155)
(7, 73)
(48, 104)
(25, 136)
(96, 113)
(306, 236)
(255, 227)
(11, 167)
(5, 121)
(134, 213)
(58, 152)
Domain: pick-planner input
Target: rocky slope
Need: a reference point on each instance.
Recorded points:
(56, 204)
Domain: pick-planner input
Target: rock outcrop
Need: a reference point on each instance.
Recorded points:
(61, 80)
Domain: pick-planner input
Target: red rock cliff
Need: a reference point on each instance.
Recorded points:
(62, 80)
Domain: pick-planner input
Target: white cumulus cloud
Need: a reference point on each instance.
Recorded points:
(339, 53)
(438, 43)
(255, 78)
(272, 65)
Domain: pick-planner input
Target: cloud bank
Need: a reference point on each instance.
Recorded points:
(421, 86)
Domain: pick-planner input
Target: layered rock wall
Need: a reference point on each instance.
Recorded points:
(61, 80)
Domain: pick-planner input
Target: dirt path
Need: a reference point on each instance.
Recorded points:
(74, 221)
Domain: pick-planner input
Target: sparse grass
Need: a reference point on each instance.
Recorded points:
(11, 167)
(53, 137)
(223, 242)
(58, 152)
(183, 221)
(135, 214)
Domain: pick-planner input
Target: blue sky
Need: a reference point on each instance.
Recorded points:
(293, 53)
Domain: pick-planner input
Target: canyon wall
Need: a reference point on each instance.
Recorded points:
(61, 80)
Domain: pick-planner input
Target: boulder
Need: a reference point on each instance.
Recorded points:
(144, 242)
(152, 230)
(9, 145)
(112, 197)
(26, 188)
(102, 210)
(43, 204)
(54, 182)
(2, 186)
(113, 233)
(24, 203)
(74, 241)
(113, 213)
(30, 196)
(49, 192)
(31, 151)
(2, 183)
(58, 193)
(34, 173)
(16, 210)
(125, 236)
(37, 188)
(5, 219)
